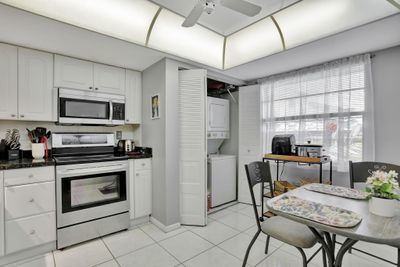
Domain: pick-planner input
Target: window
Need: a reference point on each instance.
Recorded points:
(330, 105)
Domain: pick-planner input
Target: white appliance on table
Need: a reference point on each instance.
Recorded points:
(222, 178)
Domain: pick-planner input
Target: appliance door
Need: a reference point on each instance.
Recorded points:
(218, 114)
(91, 191)
(84, 111)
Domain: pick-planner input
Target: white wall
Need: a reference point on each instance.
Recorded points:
(386, 81)
(153, 134)
(128, 131)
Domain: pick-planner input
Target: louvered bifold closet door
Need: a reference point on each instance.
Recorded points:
(250, 139)
(192, 147)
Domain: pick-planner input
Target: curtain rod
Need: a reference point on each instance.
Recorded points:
(372, 55)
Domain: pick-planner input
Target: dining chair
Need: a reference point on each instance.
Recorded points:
(285, 230)
(359, 171)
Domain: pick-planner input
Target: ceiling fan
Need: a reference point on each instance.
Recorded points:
(241, 6)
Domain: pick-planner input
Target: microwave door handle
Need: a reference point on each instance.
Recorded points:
(111, 110)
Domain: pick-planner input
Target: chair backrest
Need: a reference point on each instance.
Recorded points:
(360, 171)
(258, 172)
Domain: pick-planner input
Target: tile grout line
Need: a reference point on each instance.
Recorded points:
(158, 243)
(115, 259)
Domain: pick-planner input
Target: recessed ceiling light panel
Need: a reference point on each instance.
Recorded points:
(310, 20)
(124, 19)
(196, 43)
(258, 40)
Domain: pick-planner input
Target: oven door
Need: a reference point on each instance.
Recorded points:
(91, 191)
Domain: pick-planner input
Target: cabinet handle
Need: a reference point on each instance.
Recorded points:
(127, 120)
(32, 232)
(22, 116)
(13, 115)
(31, 200)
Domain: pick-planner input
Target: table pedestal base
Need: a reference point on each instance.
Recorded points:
(328, 245)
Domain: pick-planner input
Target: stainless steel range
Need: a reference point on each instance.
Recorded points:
(91, 185)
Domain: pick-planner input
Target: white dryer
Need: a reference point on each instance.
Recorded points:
(221, 178)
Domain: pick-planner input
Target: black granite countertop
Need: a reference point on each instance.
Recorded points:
(25, 163)
(141, 156)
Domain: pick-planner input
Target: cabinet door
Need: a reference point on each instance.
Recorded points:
(35, 85)
(250, 141)
(8, 82)
(143, 195)
(109, 79)
(133, 94)
(73, 73)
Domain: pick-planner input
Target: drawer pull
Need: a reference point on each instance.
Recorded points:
(31, 200)
(32, 232)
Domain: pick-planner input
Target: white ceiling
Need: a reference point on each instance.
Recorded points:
(138, 22)
(223, 20)
(26, 29)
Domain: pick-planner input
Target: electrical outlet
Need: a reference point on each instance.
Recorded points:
(119, 135)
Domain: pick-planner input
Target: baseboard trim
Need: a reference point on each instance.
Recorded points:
(28, 253)
(142, 220)
(165, 228)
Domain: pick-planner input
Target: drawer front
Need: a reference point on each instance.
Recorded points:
(29, 175)
(142, 164)
(30, 199)
(30, 232)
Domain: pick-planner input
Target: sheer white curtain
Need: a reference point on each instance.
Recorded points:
(329, 104)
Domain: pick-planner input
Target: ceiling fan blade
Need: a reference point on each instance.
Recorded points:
(242, 6)
(194, 15)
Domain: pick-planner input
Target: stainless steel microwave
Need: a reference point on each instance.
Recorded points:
(86, 107)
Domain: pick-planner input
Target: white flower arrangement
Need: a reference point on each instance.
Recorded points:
(383, 184)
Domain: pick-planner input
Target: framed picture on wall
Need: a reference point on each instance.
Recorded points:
(155, 107)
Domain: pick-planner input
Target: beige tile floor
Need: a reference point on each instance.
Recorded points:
(222, 243)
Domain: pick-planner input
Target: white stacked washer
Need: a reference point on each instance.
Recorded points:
(222, 179)
(221, 176)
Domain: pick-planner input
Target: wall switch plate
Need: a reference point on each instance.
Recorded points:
(119, 135)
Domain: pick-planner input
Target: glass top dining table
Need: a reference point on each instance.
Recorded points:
(372, 228)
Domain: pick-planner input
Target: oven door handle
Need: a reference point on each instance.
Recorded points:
(95, 170)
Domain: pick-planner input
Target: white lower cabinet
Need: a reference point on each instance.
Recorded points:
(29, 208)
(30, 232)
(140, 188)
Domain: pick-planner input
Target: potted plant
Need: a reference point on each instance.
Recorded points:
(382, 187)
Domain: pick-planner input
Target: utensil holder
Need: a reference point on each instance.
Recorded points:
(37, 150)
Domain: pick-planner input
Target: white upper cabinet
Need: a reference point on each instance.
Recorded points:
(73, 73)
(109, 79)
(35, 85)
(133, 94)
(8, 82)
(80, 74)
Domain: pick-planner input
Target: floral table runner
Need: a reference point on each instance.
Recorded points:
(325, 214)
(337, 191)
